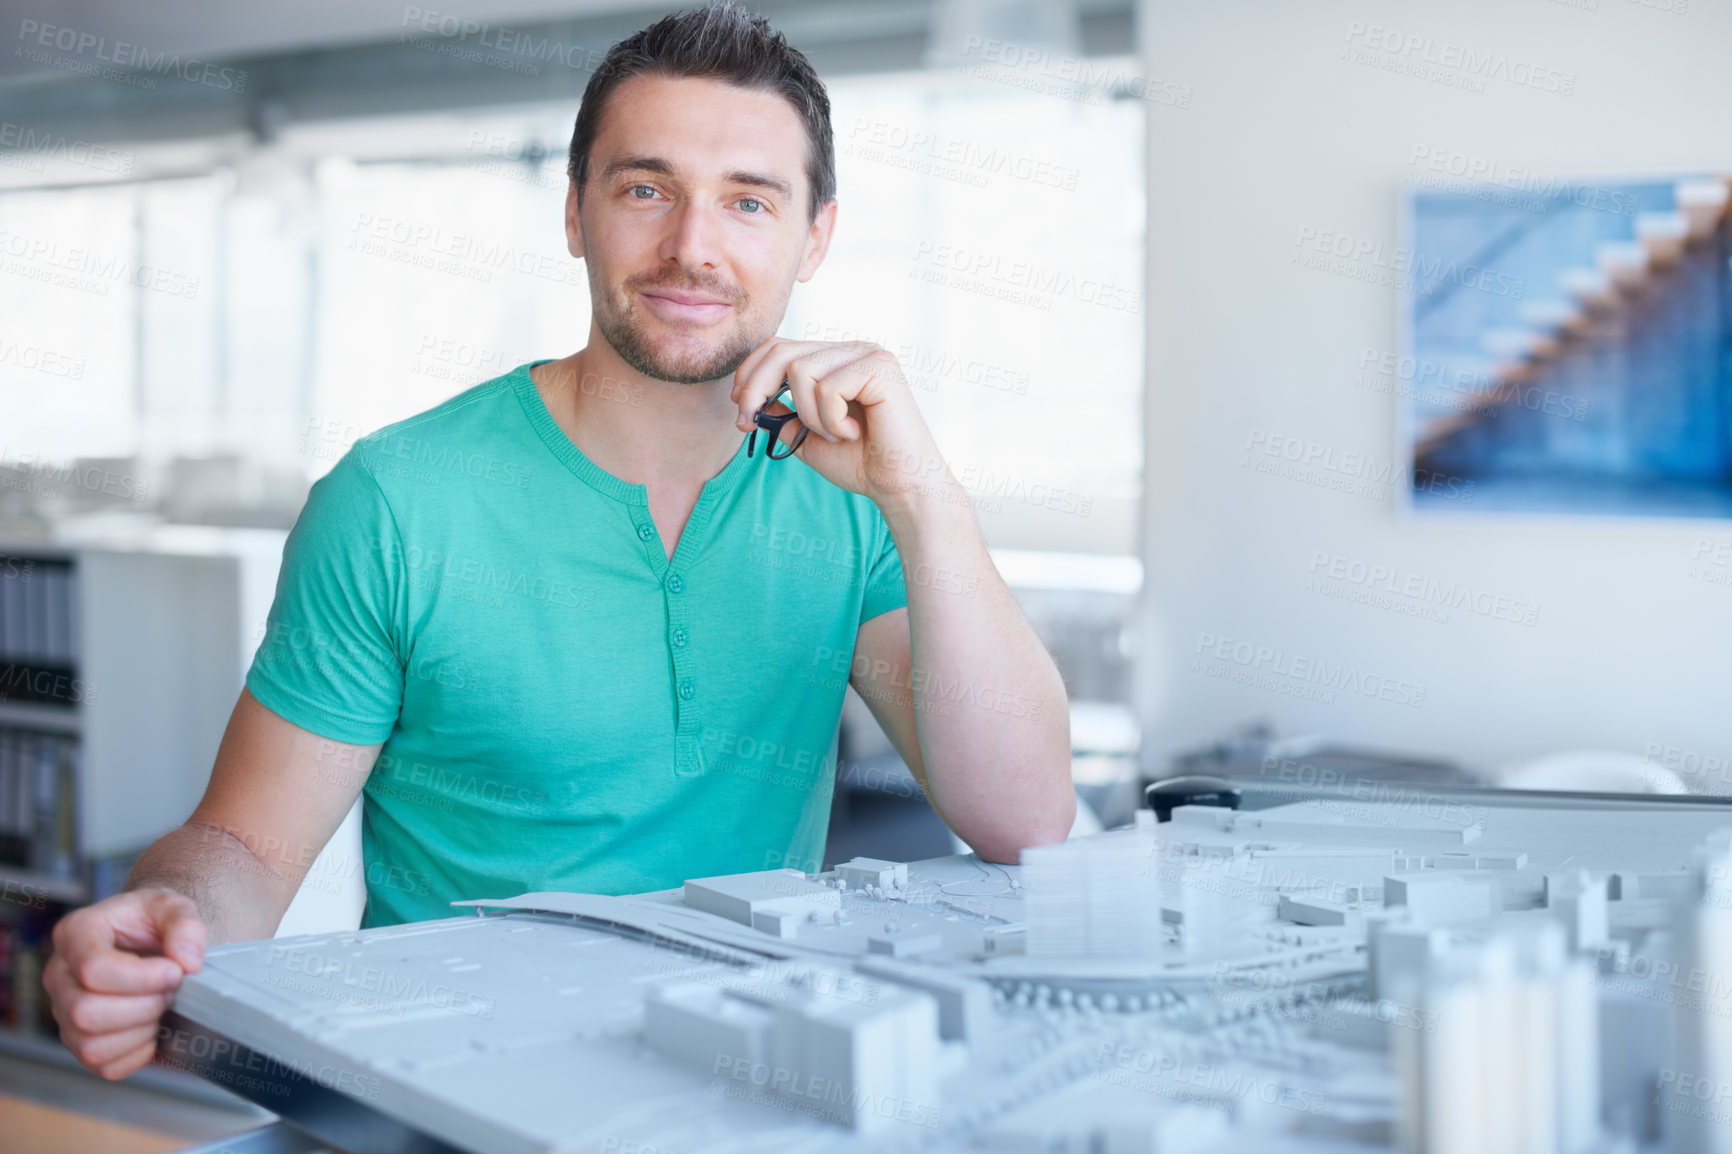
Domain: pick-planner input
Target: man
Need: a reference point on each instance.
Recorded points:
(565, 644)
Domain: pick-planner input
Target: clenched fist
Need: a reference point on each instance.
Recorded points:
(115, 969)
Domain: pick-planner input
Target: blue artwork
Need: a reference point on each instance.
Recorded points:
(1568, 347)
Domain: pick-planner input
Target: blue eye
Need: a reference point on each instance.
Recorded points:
(753, 200)
(637, 188)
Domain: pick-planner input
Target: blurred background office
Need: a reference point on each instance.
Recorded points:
(1339, 385)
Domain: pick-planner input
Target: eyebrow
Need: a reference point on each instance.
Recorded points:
(661, 167)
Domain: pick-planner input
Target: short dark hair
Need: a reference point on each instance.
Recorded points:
(720, 41)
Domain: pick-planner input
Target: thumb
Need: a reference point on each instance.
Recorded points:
(179, 928)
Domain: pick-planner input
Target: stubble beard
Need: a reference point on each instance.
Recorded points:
(623, 328)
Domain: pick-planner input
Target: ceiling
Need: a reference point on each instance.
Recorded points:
(289, 65)
(225, 28)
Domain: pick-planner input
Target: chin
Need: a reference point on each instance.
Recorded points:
(690, 369)
(680, 360)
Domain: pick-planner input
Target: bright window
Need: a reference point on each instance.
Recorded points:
(991, 237)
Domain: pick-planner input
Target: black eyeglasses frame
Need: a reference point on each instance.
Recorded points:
(772, 424)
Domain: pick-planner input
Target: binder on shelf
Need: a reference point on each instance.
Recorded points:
(8, 803)
(57, 615)
(38, 612)
(35, 646)
(72, 614)
(38, 802)
(14, 839)
(18, 797)
(63, 864)
(38, 631)
(14, 578)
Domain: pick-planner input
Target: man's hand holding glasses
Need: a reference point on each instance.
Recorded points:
(871, 438)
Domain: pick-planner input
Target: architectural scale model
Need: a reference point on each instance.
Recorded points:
(1446, 977)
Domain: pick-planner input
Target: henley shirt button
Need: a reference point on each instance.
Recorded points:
(686, 691)
(645, 532)
(675, 583)
(679, 637)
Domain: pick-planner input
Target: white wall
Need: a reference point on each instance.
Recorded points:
(1282, 133)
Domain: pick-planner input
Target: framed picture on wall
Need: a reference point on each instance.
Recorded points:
(1567, 346)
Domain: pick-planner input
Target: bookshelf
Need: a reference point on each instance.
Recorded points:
(121, 654)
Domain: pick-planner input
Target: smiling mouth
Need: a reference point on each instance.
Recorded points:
(686, 306)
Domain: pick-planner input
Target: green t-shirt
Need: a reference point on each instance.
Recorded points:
(562, 707)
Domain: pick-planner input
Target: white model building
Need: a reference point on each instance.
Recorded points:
(1695, 1090)
(1329, 976)
(1094, 897)
(863, 1054)
(1502, 1053)
(776, 902)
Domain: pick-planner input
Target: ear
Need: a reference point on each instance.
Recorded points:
(573, 221)
(817, 241)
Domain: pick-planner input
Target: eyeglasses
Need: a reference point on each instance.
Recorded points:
(772, 424)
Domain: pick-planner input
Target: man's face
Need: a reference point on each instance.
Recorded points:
(694, 224)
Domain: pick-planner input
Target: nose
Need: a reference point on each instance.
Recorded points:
(693, 239)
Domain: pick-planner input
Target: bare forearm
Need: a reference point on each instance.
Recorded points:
(239, 897)
(990, 706)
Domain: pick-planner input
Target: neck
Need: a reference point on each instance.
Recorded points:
(642, 430)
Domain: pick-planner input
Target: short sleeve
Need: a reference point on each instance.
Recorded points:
(331, 659)
(884, 588)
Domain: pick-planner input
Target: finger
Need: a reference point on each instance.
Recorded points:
(117, 1055)
(870, 379)
(763, 382)
(183, 933)
(96, 1014)
(818, 368)
(115, 972)
(130, 1064)
(845, 392)
(804, 387)
(93, 1050)
(158, 921)
(55, 974)
(847, 425)
(85, 941)
(759, 375)
(750, 364)
(832, 405)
